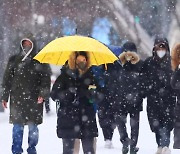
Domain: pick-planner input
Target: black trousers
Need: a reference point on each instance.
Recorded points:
(47, 105)
(87, 144)
(162, 137)
(106, 119)
(108, 132)
(134, 123)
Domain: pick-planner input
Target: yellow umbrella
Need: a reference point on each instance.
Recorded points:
(57, 51)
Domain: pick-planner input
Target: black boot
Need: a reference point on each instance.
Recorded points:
(134, 150)
(125, 149)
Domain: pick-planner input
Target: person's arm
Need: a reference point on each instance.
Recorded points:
(45, 83)
(58, 89)
(175, 81)
(7, 82)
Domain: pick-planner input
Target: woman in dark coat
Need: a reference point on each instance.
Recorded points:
(76, 115)
(27, 83)
(160, 96)
(129, 99)
(175, 82)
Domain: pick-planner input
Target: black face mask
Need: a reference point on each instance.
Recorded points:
(81, 65)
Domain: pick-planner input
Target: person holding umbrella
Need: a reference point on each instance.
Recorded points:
(76, 115)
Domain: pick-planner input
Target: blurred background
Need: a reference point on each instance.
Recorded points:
(112, 22)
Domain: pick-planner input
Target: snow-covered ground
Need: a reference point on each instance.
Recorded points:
(50, 144)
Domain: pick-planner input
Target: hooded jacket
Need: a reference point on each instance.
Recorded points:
(24, 81)
(76, 115)
(156, 87)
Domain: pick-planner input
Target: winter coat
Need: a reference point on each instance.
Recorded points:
(76, 115)
(160, 95)
(105, 111)
(175, 83)
(24, 81)
(128, 82)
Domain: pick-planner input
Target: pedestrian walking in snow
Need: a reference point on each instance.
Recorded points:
(129, 100)
(175, 82)
(27, 84)
(104, 109)
(160, 95)
(106, 75)
(76, 115)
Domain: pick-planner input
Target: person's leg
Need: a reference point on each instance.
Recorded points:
(134, 122)
(47, 105)
(76, 146)
(33, 138)
(17, 137)
(94, 145)
(158, 141)
(158, 138)
(108, 132)
(176, 144)
(88, 145)
(121, 125)
(68, 146)
(165, 137)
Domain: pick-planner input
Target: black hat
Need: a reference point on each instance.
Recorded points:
(129, 46)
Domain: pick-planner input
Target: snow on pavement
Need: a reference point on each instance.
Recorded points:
(50, 144)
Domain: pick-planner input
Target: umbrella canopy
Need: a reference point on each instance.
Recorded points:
(58, 51)
(117, 50)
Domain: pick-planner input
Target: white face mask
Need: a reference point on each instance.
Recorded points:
(161, 53)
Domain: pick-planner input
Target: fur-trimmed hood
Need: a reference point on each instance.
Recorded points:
(72, 60)
(134, 58)
(175, 56)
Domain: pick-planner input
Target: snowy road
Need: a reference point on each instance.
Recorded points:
(50, 144)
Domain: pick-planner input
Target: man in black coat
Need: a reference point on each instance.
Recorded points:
(76, 114)
(129, 100)
(175, 82)
(160, 95)
(27, 83)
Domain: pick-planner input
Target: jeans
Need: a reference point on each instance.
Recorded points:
(17, 136)
(163, 137)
